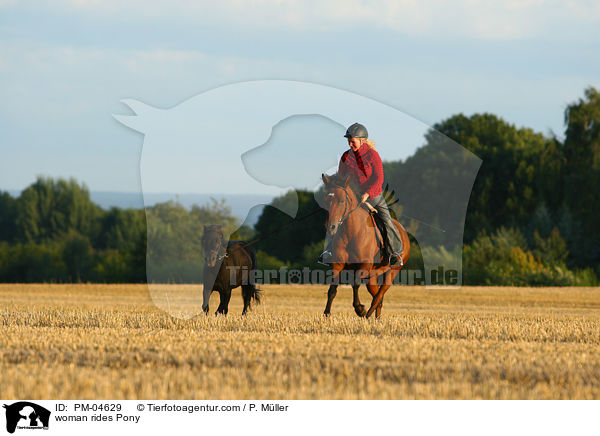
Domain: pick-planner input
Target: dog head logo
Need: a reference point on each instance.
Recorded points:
(271, 136)
(26, 415)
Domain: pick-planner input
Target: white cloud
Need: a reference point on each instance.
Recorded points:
(490, 20)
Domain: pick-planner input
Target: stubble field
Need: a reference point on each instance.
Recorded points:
(111, 341)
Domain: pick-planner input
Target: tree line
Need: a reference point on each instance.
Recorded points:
(53, 232)
(532, 215)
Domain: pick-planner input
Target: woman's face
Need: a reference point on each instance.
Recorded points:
(354, 143)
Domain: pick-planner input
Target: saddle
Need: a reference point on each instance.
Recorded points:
(380, 237)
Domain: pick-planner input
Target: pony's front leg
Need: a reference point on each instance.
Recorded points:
(378, 297)
(224, 303)
(336, 269)
(331, 293)
(359, 274)
(358, 307)
(206, 298)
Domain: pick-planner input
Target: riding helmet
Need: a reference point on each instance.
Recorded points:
(357, 130)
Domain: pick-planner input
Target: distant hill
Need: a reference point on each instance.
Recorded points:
(239, 203)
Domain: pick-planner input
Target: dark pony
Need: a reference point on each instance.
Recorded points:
(355, 246)
(228, 264)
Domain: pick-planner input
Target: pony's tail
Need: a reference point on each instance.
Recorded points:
(256, 293)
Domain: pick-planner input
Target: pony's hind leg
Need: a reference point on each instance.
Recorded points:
(389, 280)
(377, 290)
(373, 288)
(377, 301)
(378, 296)
(247, 293)
(379, 307)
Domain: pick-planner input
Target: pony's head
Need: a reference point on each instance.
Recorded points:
(212, 243)
(340, 199)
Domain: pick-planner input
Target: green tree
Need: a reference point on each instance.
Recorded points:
(582, 173)
(288, 243)
(120, 229)
(8, 217)
(49, 208)
(29, 263)
(174, 238)
(551, 250)
(506, 190)
(503, 259)
(77, 254)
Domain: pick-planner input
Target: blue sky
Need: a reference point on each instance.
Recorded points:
(66, 64)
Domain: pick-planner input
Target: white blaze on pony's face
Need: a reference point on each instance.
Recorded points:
(212, 245)
(336, 199)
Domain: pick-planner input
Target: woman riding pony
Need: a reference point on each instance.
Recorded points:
(363, 164)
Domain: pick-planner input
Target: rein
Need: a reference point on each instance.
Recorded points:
(224, 255)
(268, 235)
(344, 215)
(297, 220)
(221, 250)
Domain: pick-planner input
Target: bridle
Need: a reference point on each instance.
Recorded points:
(346, 214)
(221, 248)
(224, 255)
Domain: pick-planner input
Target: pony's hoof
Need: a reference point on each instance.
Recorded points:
(360, 310)
(326, 314)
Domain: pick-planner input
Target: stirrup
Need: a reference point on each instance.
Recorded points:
(326, 254)
(395, 259)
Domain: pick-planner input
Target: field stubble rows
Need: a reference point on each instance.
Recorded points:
(111, 341)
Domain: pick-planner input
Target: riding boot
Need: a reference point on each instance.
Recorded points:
(392, 237)
(326, 257)
(394, 258)
(385, 257)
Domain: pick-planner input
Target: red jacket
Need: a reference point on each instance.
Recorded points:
(365, 167)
